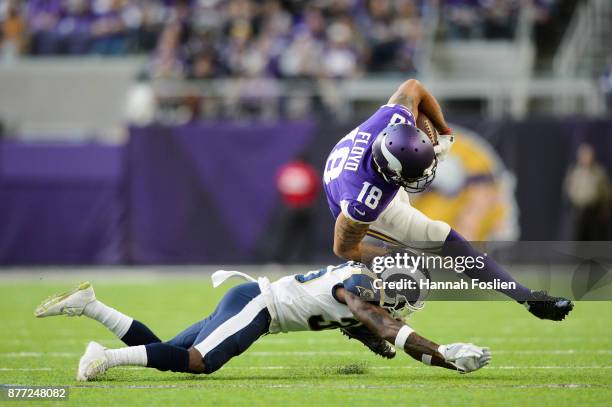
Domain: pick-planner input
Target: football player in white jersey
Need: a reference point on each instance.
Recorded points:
(333, 297)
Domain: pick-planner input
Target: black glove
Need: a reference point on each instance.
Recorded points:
(374, 342)
(544, 306)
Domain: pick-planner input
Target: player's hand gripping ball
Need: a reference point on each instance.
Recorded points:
(442, 142)
(427, 126)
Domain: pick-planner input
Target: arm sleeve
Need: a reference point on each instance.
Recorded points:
(357, 211)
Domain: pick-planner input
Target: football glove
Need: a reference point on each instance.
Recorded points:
(466, 357)
(442, 149)
(545, 306)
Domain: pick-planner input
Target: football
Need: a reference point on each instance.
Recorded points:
(427, 126)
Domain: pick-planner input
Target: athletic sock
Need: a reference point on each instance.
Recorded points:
(456, 245)
(163, 356)
(139, 334)
(117, 322)
(132, 355)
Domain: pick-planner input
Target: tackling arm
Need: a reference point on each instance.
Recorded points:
(462, 357)
(415, 97)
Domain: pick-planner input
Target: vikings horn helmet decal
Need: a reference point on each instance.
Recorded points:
(404, 156)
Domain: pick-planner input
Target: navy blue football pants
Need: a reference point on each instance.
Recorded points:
(239, 320)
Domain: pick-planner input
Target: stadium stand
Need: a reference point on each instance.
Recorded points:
(203, 39)
(288, 58)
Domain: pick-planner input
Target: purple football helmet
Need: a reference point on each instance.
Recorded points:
(404, 156)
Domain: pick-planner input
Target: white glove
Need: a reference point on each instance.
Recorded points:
(445, 142)
(466, 357)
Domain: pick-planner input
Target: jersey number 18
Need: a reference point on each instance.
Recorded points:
(369, 195)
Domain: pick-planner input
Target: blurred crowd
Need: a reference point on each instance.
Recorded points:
(274, 38)
(206, 38)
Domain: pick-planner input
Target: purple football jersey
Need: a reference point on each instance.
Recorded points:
(351, 183)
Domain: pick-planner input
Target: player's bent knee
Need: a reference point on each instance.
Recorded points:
(196, 361)
(437, 231)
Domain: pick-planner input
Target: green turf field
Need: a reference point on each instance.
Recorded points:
(534, 362)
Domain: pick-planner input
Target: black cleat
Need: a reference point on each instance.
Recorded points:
(374, 342)
(544, 306)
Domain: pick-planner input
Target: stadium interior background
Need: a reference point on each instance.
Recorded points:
(192, 132)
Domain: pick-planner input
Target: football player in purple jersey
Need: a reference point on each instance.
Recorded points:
(367, 178)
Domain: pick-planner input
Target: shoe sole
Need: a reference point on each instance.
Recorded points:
(86, 375)
(93, 371)
(54, 299)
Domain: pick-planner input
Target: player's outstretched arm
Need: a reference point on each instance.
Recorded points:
(415, 97)
(458, 356)
(348, 241)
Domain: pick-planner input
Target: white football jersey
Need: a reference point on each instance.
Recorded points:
(304, 302)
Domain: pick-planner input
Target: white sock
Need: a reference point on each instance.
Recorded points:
(114, 320)
(132, 355)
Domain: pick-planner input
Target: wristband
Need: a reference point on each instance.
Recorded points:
(402, 336)
(448, 131)
(442, 350)
(425, 358)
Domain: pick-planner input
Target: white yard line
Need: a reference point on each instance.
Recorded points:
(396, 367)
(209, 383)
(325, 353)
(25, 369)
(509, 367)
(310, 386)
(39, 354)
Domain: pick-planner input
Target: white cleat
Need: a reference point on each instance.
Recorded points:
(93, 362)
(70, 303)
